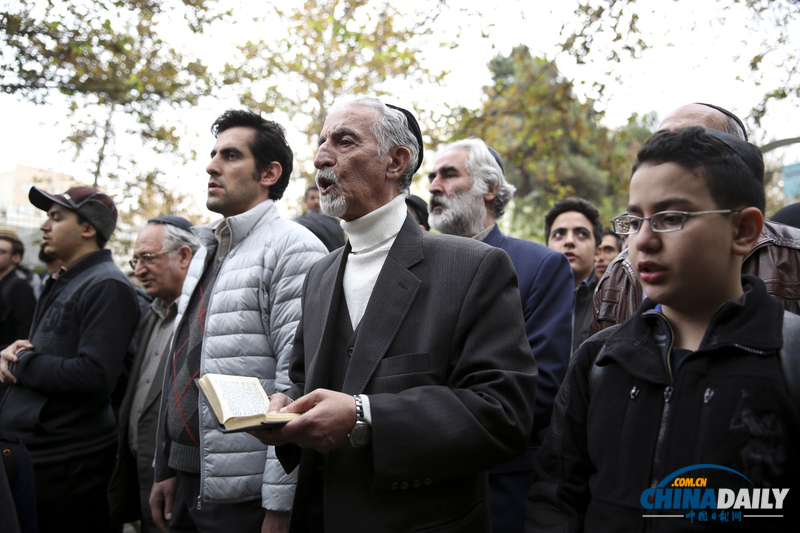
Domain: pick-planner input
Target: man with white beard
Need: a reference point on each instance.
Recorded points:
(468, 194)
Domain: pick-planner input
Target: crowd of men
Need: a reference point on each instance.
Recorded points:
(446, 380)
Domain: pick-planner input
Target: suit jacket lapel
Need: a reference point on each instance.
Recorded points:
(394, 292)
(330, 290)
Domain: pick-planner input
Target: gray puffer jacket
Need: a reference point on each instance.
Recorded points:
(252, 317)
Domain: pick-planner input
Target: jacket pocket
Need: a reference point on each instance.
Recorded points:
(411, 363)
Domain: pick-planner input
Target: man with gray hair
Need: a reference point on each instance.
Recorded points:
(161, 258)
(468, 194)
(410, 364)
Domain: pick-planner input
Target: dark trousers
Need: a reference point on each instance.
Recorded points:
(73, 495)
(243, 517)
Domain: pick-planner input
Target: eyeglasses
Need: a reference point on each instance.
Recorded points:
(662, 222)
(146, 259)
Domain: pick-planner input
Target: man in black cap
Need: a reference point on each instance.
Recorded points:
(410, 366)
(775, 258)
(63, 375)
(161, 258)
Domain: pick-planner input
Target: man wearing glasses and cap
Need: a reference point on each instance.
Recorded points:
(410, 365)
(62, 377)
(161, 257)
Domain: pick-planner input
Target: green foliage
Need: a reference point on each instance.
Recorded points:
(109, 61)
(553, 145)
(330, 48)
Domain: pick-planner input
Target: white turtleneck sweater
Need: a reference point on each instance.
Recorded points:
(371, 237)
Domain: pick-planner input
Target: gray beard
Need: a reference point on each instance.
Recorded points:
(464, 214)
(333, 203)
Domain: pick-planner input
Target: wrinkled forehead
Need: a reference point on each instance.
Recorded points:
(151, 236)
(452, 157)
(358, 119)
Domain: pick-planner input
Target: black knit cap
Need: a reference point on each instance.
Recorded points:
(413, 126)
(420, 209)
(749, 153)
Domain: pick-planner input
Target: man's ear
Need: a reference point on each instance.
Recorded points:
(400, 158)
(271, 174)
(88, 231)
(747, 230)
(491, 194)
(184, 256)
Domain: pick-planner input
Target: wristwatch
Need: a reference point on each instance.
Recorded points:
(361, 433)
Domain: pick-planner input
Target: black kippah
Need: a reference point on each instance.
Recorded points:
(172, 220)
(749, 153)
(413, 126)
(497, 158)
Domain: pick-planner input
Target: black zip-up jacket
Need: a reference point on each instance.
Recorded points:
(642, 417)
(60, 407)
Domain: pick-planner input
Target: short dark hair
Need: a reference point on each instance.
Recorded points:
(579, 205)
(310, 188)
(732, 169)
(617, 238)
(16, 245)
(267, 146)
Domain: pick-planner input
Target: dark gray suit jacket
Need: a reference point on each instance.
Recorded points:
(442, 354)
(133, 476)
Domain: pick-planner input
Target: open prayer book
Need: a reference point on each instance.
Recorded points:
(240, 403)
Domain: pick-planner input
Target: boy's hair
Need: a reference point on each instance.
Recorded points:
(733, 169)
(579, 205)
(268, 145)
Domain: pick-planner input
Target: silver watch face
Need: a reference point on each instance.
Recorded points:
(360, 434)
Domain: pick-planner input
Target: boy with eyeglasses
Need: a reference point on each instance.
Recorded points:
(61, 377)
(694, 377)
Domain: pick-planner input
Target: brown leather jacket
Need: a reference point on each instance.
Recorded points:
(775, 259)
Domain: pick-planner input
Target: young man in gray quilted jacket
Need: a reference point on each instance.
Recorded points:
(237, 314)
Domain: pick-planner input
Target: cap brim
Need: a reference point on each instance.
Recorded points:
(43, 200)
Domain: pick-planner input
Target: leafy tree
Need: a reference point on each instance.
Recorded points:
(610, 29)
(108, 60)
(330, 48)
(553, 145)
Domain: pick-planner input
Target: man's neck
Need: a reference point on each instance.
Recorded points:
(79, 254)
